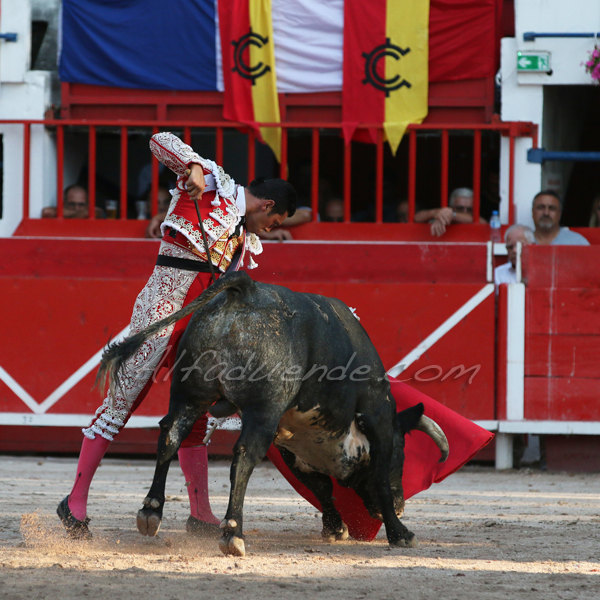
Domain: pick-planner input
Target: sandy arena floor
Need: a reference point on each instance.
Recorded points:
(483, 534)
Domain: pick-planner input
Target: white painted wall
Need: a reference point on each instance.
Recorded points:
(567, 54)
(519, 103)
(556, 15)
(523, 93)
(15, 17)
(27, 100)
(24, 94)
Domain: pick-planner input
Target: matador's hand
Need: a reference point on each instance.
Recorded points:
(195, 183)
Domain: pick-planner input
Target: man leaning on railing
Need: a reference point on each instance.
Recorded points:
(75, 205)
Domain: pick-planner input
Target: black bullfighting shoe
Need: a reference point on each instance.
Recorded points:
(77, 530)
(201, 529)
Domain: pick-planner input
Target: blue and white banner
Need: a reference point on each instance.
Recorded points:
(309, 45)
(175, 45)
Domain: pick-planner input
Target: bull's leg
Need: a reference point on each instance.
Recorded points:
(258, 431)
(322, 487)
(174, 428)
(381, 437)
(362, 489)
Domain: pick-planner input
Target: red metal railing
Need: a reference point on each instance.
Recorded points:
(512, 130)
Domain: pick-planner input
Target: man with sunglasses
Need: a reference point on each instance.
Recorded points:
(459, 210)
(75, 205)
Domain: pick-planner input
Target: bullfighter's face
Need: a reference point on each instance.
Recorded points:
(263, 218)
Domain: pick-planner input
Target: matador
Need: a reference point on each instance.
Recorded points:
(232, 215)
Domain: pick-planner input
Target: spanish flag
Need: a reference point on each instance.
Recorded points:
(249, 76)
(386, 46)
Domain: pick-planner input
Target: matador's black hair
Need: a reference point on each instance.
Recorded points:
(278, 190)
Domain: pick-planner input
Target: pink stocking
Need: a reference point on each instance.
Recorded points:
(92, 452)
(194, 464)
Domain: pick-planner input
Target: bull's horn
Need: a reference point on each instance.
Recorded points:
(434, 431)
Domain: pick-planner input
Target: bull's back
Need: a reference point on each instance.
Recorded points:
(325, 356)
(354, 376)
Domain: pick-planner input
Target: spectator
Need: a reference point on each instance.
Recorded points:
(402, 211)
(595, 214)
(515, 233)
(164, 200)
(333, 211)
(547, 210)
(392, 213)
(75, 205)
(460, 210)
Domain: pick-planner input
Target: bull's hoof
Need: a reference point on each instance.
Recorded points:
(232, 546)
(330, 536)
(148, 521)
(410, 541)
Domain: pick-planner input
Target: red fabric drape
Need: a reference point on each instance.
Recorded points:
(421, 466)
(463, 44)
(234, 23)
(364, 29)
(462, 39)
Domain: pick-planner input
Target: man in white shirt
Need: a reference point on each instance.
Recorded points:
(507, 273)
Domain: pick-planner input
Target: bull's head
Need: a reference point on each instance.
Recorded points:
(406, 421)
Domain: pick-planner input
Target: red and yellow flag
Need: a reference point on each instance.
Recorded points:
(249, 75)
(386, 46)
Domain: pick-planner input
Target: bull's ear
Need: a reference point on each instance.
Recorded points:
(408, 419)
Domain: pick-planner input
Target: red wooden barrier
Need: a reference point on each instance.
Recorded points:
(67, 297)
(562, 376)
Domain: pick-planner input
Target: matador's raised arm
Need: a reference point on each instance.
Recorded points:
(175, 154)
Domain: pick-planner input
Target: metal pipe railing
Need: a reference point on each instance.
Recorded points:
(26, 169)
(92, 172)
(511, 180)
(314, 191)
(444, 185)
(124, 164)
(154, 182)
(530, 36)
(283, 172)
(511, 130)
(379, 178)
(476, 174)
(347, 182)
(60, 169)
(412, 174)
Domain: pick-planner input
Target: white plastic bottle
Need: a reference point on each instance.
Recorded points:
(495, 234)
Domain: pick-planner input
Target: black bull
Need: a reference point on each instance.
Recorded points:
(303, 374)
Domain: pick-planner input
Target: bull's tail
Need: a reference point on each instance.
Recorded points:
(115, 355)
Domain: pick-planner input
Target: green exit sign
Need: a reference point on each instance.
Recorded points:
(533, 62)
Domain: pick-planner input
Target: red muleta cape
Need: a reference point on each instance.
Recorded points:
(421, 466)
